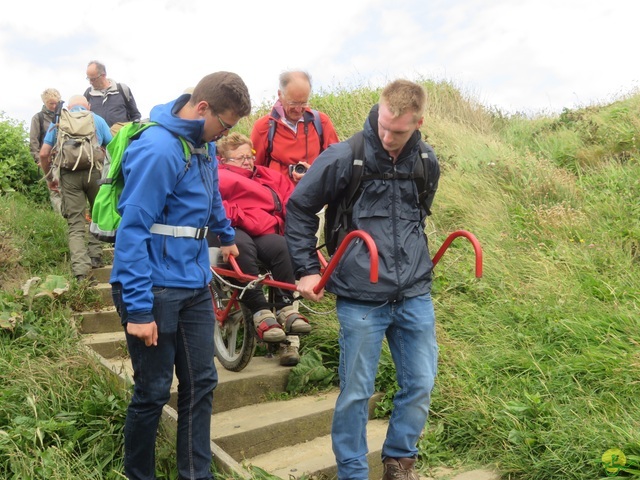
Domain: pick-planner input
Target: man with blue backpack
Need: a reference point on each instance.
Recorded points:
(72, 157)
(161, 269)
(290, 138)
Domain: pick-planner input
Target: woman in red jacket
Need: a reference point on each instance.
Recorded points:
(254, 198)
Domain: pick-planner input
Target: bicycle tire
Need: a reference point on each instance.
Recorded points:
(235, 341)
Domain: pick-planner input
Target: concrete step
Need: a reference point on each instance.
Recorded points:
(104, 290)
(262, 379)
(244, 434)
(102, 274)
(110, 344)
(315, 458)
(253, 430)
(99, 321)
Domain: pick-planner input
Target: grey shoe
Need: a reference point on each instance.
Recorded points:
(96, 262)
(292, 322)
(267, 327)
(399, 469)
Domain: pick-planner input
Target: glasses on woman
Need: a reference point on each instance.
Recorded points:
(242, 158)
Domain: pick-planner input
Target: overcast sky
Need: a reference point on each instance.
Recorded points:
(525, 56)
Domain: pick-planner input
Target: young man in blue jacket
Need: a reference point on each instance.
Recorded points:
(161, 270)
(399, 306)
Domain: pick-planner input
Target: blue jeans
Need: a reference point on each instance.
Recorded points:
(185, 339)
(409, 326)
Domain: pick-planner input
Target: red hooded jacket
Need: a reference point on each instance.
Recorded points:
(254, 200)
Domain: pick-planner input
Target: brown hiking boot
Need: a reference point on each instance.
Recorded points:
(289, 356)
(399, 469)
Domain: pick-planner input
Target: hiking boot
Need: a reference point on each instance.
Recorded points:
(289, 356)
(267, 327)
(399, 469)
(96, 262)
(292, 322)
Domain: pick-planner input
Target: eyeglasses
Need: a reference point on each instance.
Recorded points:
(91, 79)
(297, 104)
(243, 158)
(225, 127)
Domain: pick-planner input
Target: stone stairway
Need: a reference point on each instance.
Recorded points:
(287, 438)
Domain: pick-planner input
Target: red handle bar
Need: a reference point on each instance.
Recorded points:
(373, 256)
(476, 247)
(235, 271)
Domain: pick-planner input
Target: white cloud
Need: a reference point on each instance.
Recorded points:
(518, 55)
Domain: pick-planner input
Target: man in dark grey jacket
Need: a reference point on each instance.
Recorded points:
(399, 306)
(111, 100)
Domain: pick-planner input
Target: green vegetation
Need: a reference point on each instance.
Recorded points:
(18, 171)
(539, 360)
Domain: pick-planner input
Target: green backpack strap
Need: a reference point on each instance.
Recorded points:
(190, 150)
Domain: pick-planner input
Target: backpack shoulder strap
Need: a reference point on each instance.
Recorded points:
(426, 173)
(317, 123)
(42, 133)
(86, 93)
(338, 214)
(126, 91)
(356, 142)
(273, 123)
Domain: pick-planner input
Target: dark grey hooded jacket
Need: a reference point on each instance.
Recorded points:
(387, 209)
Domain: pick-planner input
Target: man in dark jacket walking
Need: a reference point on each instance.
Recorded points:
(111, 100)
(399, 306)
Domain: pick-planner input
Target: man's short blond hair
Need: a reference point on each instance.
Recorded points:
(50, 94)
(402, 96)
(231, 142)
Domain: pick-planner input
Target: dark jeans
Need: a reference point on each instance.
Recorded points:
(185, 340)
(270, 250)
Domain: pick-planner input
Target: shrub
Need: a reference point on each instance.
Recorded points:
(18, 171)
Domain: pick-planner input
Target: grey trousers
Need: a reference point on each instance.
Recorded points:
(78, 191)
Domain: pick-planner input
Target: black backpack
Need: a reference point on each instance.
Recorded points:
(338, 222)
